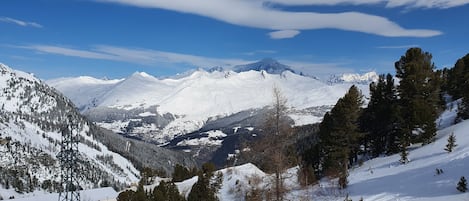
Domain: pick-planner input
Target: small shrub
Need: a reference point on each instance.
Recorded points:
(462, 185)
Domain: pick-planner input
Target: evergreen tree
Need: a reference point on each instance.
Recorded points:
(451, 143)
(166, 191)
(419, 95)
(380, 119)
(404, 154)
(126, 195)
(339, 135)
(205, 189)
(457, 78)
(460, 73)
(182, 173)
(462, 185)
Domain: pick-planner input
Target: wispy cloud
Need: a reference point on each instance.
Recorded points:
(256, 52)
(397, 46)
(134, 55)
(152, 57)
(438, 4)
(258, 14)
(20, 22)
(283, 34)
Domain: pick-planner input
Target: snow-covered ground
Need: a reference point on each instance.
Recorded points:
(98, 194)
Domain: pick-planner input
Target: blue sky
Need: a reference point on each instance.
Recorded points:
(114, 38)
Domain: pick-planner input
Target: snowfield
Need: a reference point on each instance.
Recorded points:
(98, 194)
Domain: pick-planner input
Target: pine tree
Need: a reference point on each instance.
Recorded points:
(460, 82)
(419, 90)
(166, 191)
(451, 143)
(404, 155)
(205, 189)
(380, 119)
(462, 185)
(339, 135)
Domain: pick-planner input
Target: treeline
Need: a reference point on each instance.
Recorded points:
(205, 189)
(401, 111)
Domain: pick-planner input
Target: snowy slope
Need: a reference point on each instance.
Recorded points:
(100, 194)
(31, 117)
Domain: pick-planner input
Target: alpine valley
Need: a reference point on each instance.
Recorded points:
(207, 113)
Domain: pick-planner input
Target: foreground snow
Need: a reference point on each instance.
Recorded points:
(386, 179)
(99, 194)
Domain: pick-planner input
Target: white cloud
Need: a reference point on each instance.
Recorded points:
(283, 34)
(252, 53)
(153, 57)
(20, 22)
(135, 55)
(258, 14)
(440, 4)
(397, 46)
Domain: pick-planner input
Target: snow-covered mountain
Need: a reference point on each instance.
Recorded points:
(193, 99)
(31, 118)
(268, 65)
(354, 78)
(164, 110)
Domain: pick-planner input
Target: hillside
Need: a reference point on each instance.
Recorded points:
(31, 117)
(379, 179)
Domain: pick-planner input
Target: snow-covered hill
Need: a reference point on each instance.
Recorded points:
(31, 118)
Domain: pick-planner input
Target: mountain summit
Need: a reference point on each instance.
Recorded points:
(269, 65)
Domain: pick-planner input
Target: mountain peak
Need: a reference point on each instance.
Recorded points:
(269, 65)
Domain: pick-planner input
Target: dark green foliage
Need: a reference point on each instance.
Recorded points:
(206, 187)
(458, 78)
(339, 135)
(404, 155)
(127, 195)
(462, 185)
(419, 90)
(182, 173)
(166, 191)
(381, 120)
(451, 143)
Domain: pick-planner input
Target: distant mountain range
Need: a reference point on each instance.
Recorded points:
(160, 110)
